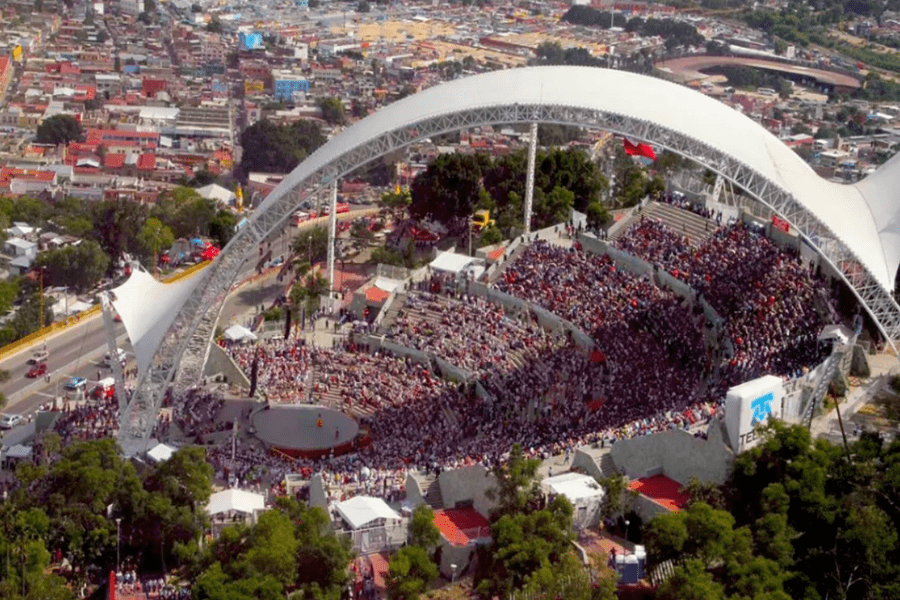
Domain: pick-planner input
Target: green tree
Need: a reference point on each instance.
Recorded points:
(704, 491)
(59, 129)
(155, 236)
(332, 110)
(270, 148)
(310, 246)
(691, 581)
(273, 548)
(552, 208)
(422, 530)
(409, 573)
(396, 202)
(214, 25)
(448, 189)
(222, 227)
(523, 543)
(665, 537)
(80, 266)
(567, 578)
(116, 226)
(518, 487)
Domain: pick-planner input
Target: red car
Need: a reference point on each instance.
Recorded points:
(37, 370)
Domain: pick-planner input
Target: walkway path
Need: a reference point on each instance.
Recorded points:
(882, 367)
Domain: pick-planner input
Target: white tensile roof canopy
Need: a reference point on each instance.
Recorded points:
(148, 308)
(865, 216)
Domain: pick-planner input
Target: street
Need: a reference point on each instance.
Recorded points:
(78, 350)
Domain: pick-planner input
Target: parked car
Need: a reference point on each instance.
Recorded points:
(76, 383)
(107, 358)
(9, 421)
(38, 370)
(39, 357)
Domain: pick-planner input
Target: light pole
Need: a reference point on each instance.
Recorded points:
(118, 536)
(453, 573)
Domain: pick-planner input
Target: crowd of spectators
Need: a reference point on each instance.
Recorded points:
(765, 294)
(652, 366)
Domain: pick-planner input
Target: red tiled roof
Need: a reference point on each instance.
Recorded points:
(662, 490)
(147, 162)
(376, 295)
(7, 174)
(496, 254)
(461, 525)
(114, 161)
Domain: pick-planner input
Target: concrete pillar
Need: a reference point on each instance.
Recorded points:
(332, 235)
(529, 183)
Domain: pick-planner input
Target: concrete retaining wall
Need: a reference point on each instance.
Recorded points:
(467, 484)
(677, 454)
(219, 361)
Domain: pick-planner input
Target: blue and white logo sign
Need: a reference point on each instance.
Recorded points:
(762, 408)
(749, 405)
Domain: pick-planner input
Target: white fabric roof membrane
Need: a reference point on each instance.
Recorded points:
(450, 261)
(235, 500)
(573, 486)
(864, 216)
(361, 510)
(148, 308)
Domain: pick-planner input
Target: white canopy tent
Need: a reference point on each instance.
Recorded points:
(148, 308)
(239, 333)
(583, 492)
(161, 453)
(18, 451)
(360, 511)
(235, 501)
(388, 285)
(841, 333)
(451, 262)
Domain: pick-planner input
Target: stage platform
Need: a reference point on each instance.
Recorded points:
(306, 430)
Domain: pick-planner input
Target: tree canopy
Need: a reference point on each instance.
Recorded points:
(454, 185)
(79, 266)
(805, 520)
(59, 129)
(273, 148)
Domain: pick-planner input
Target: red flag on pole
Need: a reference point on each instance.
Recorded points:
(638, 149)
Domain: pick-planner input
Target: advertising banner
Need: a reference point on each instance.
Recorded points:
(751, 404)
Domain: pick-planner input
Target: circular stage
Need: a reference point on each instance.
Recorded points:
(304, 429)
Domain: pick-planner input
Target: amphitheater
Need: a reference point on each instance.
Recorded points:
(568, 344)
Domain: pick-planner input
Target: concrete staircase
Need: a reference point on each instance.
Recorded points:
(607, 466)
(391, 315)
(697, 229)
(431, 490)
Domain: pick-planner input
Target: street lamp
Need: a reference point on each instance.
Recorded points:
(453, 573)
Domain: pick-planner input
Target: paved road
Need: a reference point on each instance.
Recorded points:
(75, 352)
(78, 351)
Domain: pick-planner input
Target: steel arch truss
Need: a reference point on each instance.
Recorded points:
(183, 351)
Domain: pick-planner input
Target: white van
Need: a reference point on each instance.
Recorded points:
(122, 356)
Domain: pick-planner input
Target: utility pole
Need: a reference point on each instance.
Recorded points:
(41, 315)
(332, 230)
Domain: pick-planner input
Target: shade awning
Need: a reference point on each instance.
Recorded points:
(362, 510)
(235, 500)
